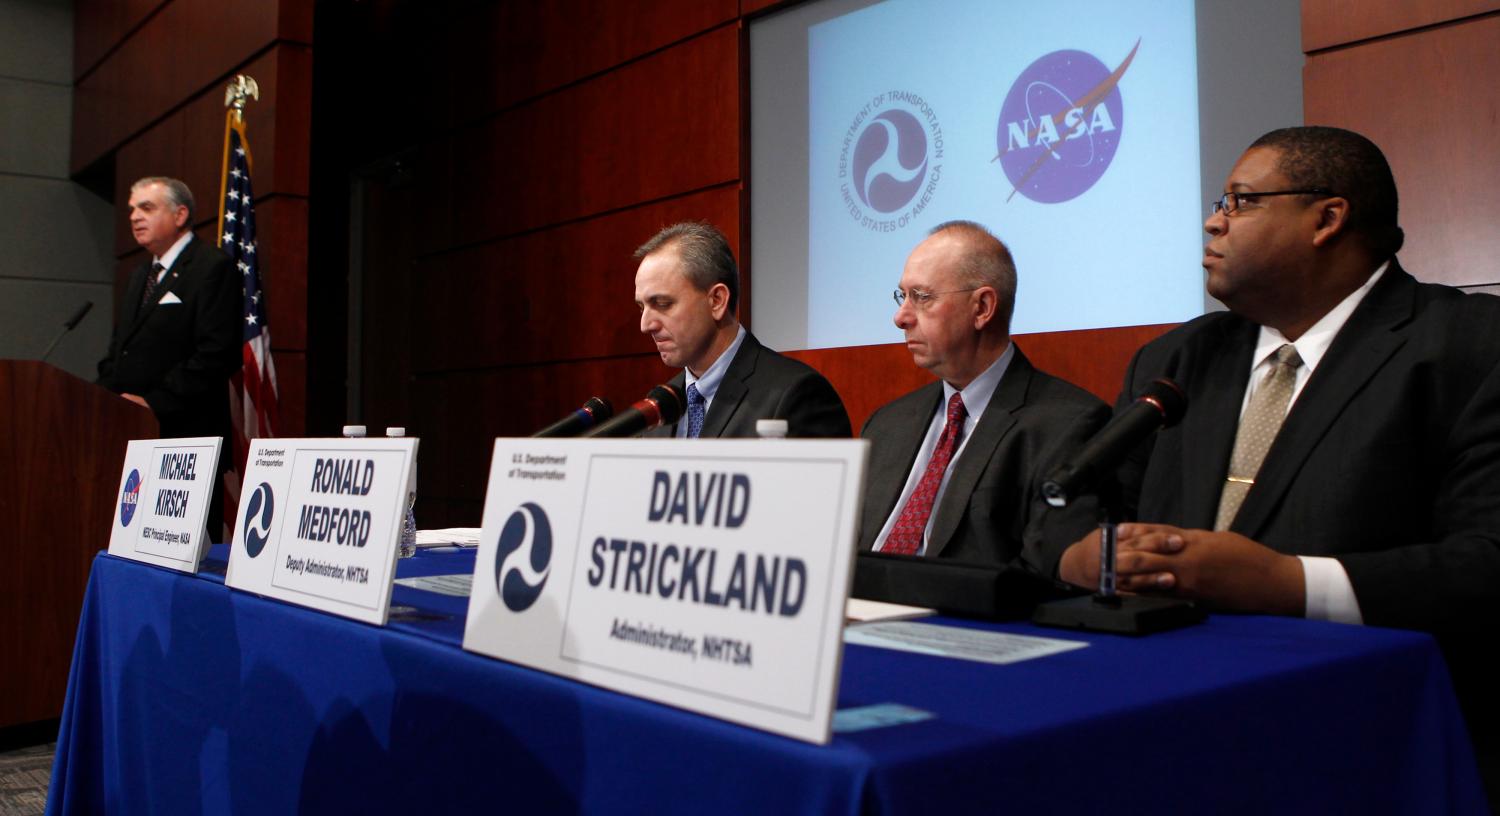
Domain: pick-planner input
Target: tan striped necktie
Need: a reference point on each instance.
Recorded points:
(1258, 429)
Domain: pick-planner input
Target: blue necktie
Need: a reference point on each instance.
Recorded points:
(695, 412)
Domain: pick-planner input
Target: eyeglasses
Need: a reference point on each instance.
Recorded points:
(920, 298)
(1230, 202)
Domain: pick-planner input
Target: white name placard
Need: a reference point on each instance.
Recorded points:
(320, 521)
(165, 488)
(708, 575)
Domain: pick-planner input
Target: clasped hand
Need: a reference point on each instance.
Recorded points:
(1226, 570)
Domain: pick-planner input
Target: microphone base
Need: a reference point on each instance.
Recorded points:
(1120, 614)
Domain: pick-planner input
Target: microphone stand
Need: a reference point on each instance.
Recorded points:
(1107, 610)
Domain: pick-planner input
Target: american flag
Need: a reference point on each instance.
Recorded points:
(252, 391)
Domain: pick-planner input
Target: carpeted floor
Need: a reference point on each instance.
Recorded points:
(24, 774)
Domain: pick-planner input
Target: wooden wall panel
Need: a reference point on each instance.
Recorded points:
(558, 294)
(182, 50)
(662, 126)
(1429, 99)
(1331, 23)
(100, 25)
(291, 385)
(460, 413)
(868, 377)
(483, 66)
(281, 235)
(189, 143)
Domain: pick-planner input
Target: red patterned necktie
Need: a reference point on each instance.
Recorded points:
(151, 282)
(906, 534)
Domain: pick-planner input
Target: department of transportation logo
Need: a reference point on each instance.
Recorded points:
(890, 161)
(129, 498)
(523, 559)
(1060, 125)
(258, 513)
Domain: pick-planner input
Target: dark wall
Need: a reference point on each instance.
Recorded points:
(149, 78)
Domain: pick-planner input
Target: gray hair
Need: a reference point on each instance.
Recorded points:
(706, 259)
(986, 262)
(178, 194)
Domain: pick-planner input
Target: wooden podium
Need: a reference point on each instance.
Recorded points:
(61, 444)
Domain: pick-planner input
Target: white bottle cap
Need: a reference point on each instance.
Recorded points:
(395, 432)
(771, 428)
(354, 431)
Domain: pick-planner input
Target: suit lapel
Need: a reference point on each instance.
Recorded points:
(901, 443)
(1217, 384)
(1361, 348)
(732, 389)
(168, 280)
(998, 418)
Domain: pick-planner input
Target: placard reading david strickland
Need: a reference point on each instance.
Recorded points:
(704, 578)
(710, 576)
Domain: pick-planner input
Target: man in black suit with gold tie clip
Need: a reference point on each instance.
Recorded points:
(1340, 454)
(955, 466)
(177, 336)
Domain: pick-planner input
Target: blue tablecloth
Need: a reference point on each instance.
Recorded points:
(187, 697)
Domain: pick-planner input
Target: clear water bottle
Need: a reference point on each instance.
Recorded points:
(354, 432)
(408, 546)
(771, 428)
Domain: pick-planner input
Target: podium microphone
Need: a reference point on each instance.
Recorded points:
(663, 404)
(596, 410)
(1161, 405)
(68, 326)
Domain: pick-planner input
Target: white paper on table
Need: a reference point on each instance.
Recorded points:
(448, 537)
(859, 610)
(982, 646)
(458, 586)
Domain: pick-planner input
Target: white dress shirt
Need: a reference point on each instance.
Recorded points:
(1330, 596)
(708, 384)
(170, 256)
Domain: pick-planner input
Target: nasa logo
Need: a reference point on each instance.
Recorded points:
(889, 160)
(129, 498)
(1060, 125)
(523, 559)
(258, 512)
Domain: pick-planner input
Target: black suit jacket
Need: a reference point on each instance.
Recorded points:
(1389, 460)
(991, 510)
(179, 356)
(761, 384)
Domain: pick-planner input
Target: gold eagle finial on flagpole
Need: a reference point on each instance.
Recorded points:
(240, 88)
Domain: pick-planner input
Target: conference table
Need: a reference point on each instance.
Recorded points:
(187, 697)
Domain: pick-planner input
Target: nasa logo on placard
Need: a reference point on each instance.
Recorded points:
(523, 559)
(258, 513)
(1060, 125)
(130, 496)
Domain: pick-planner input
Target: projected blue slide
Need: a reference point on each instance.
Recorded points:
(1069, 129)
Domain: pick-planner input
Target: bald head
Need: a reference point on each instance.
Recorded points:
(960, 289)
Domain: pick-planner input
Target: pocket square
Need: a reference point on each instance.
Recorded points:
(170, 297)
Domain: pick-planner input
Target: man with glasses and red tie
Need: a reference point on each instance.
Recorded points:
(955, 466)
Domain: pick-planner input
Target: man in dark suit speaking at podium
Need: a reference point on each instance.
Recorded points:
(176, 339)
(955, 466)
(687, 288)
(1340, 454)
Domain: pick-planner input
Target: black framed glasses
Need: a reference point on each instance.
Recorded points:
(920, 298)
(1230, 202)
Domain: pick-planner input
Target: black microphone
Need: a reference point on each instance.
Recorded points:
(596, 410)
(662, 405)
(1160, 405)
(68, 326)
